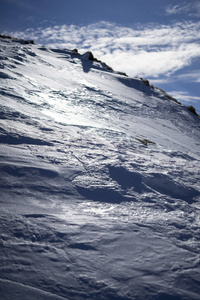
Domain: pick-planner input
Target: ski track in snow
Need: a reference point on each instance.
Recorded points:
(99, 182)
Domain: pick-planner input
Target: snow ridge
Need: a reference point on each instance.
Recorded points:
(99, 182)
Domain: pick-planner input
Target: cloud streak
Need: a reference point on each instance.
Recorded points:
(191, 9)
(150, 50)
(186, 98)
(21, 3)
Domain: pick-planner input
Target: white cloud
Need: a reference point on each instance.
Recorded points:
(177, 9)
(148, 51)
(184, 97)
(192, 76)
(188, 77)
(190, 8)
(160, 81)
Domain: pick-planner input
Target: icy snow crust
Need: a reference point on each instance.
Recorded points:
(99, 183)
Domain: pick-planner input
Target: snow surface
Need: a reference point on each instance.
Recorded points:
(100, 182)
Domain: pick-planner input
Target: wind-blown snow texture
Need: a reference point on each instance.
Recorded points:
(100, 193)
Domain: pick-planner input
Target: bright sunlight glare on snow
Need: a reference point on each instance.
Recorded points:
(158, 40)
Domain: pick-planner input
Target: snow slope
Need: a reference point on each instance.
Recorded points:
(100, 182)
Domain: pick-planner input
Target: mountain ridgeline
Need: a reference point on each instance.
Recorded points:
(89, 56)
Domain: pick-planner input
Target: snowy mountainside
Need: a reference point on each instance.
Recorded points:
(100, 182)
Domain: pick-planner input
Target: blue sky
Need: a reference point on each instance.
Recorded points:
(157, 40)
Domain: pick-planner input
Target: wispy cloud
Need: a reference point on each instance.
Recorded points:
(188, 77)
(185, 97)
(20, 3)
(178, 9)
(150, 50)
(190, 8)
(192, 76)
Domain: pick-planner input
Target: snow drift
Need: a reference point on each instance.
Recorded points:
(100, 191)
